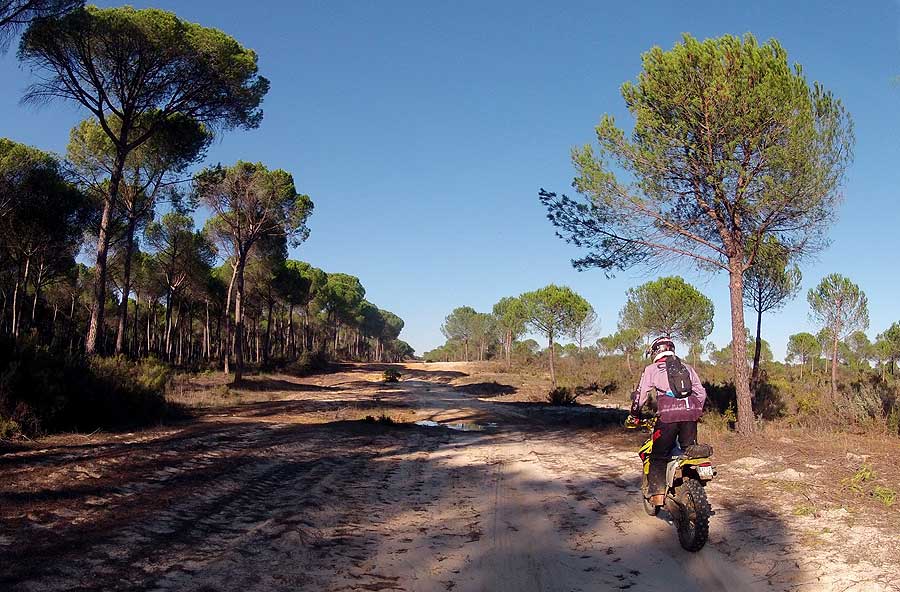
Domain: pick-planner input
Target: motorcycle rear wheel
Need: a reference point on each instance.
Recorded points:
(692, 516)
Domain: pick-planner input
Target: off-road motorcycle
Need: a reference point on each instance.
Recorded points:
(687, 474)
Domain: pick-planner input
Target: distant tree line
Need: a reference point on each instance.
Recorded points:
(671, 306)
(553, 312)
(158, 90)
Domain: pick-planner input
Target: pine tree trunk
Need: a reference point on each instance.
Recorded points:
(229, 330)
(268, 337)
(552, 349)
(280, 334)
(206, 333)
(190, 333)
(98, 308)
(177, 329)
(14, 329)
(834, 361)
(256, 338)
(745, 423)
(135, 325)
(168, 344)
(292, 348)
(219, 334)
(150, 313)
(53, 330)
(37, 291)
(239, 321)
(754, 378)
(71, 328)
(17, 302)
(126, 285)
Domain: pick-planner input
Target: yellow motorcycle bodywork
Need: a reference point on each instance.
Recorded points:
(680, 463)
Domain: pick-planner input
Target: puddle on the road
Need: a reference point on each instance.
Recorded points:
(459, 427)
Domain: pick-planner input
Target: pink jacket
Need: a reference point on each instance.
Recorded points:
(655, 381)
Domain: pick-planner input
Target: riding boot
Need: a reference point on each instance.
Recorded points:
(657, 477)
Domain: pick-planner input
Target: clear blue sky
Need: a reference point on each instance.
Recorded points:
(423, 131)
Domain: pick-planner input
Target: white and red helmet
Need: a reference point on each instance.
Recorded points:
(661, 346)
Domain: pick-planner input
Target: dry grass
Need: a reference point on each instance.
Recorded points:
(368, 397)
(199, 391)
(855, 471)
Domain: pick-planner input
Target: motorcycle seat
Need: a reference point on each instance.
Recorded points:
(698, 451)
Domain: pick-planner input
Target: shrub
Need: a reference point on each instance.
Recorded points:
(885, 495)
(719, 396)
(561, 396)
(768, 401)
(8, 428)
(383, 419)
(391, 375)
(865, 401)
(719, 422)
(44, 391)
(863, 475)
(893, 419)
(309, 363)
(808, 402)
(804, 510)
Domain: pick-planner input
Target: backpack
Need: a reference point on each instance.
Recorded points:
(679, 377)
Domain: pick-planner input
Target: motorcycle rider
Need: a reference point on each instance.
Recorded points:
(678, 406)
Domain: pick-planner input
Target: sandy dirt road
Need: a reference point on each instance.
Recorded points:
(275, 496)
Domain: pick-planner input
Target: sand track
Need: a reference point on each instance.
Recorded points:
(262, 498)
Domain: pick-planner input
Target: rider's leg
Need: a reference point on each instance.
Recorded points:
(663, 440)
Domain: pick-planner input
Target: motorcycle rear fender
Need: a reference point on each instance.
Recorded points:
(675, 468)
(695, 461)
(673, 472)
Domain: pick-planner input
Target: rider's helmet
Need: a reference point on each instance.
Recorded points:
(661, 346)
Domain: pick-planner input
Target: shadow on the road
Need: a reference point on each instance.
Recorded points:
(229, 497)
(416, 373)
(574, 416)
(305, 406)
(259, 384)
(487, 389)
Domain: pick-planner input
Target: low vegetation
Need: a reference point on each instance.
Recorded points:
(42, 391)
(562, 395)
(391, 375)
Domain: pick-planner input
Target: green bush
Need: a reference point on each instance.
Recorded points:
(8, 428)
(808, 402)
(384, 419)
(893, 419)
(719, 397)
(391, 375)
(720, 421)
(561, 396)
(309, 363)
(863, 475)
(44, 391)
(885, 495)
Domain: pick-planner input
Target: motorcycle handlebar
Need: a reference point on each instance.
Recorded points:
(648, 423)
